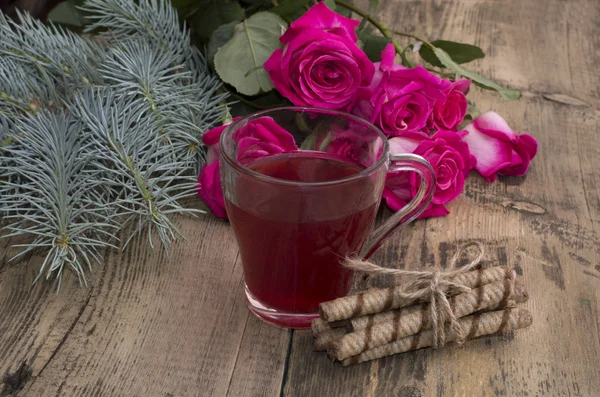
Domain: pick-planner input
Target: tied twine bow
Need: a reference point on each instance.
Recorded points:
(435, 284)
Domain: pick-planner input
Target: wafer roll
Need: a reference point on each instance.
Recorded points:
(478, 325)
(362, 322)
(323, 339)
(317, 325)
(380, 300)
(489, 295)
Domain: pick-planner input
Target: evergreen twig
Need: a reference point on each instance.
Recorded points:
(99, 133)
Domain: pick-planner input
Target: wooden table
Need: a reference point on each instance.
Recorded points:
(156, 325)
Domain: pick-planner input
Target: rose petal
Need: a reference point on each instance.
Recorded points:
(492, 154)
(273, 66)
(492, 124)
(387, 57)
(462, 85)
(321, 17)
(407, 143)
(209, 189)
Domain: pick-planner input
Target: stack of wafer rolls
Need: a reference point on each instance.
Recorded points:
(382, 322)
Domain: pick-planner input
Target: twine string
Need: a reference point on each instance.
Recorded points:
(436, 285)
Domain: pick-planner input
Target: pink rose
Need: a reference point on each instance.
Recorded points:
(209, 189)
(450, 111)
(498, 149)
(400, 100)
(209, 179)
(320, 64)
(353, 146)
(260, 137)
(450, 158)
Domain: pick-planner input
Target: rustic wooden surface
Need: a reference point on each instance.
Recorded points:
(151, 325)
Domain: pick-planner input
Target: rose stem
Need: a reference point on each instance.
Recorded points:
(384, 30)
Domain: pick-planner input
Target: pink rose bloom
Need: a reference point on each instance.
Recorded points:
(400, 100)
(450, 111)
(260, 137)
(209, 189)
(498, 149)
(451, 160)
(353, 146)
(209, 179)
(320, 64)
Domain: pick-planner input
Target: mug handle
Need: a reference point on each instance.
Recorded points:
(407, 214)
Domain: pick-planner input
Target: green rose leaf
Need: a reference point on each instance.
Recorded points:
(259, 2)
(373, 45)
(207, 15)
(66, 13)
(330, 4)
(459, 52)
(219, 38)
(240, 61)
(445, 59)
(345, 11)
(289, 8)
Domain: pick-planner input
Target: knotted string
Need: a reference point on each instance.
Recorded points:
(435, 284)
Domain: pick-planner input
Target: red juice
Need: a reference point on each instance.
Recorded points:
(293, 237)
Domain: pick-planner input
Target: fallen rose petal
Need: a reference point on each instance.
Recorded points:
(498, 149)
(491, 153)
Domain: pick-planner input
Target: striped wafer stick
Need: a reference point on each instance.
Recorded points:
(323, 339)
(478, 325)
(317, 325)
(362, 322)
(380, 300)
(482, 298)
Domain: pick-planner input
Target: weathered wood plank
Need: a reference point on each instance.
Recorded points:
(156, 325)
(261, 360)
(34, 321)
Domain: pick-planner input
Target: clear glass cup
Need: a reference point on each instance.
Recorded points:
(297, 215)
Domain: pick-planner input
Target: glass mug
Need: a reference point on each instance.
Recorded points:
(296, 215)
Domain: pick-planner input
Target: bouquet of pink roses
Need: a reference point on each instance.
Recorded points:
(318, 61)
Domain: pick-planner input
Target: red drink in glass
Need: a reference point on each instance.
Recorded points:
(291, 249)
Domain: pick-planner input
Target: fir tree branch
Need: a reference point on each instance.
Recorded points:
(61, 58)
(115, 129)
(156, 20)
(53, 205)
(135, 157)
(20, 91)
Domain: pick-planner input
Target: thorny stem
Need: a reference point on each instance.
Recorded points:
(382, 28)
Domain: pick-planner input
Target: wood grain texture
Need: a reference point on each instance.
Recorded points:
(152, 325)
